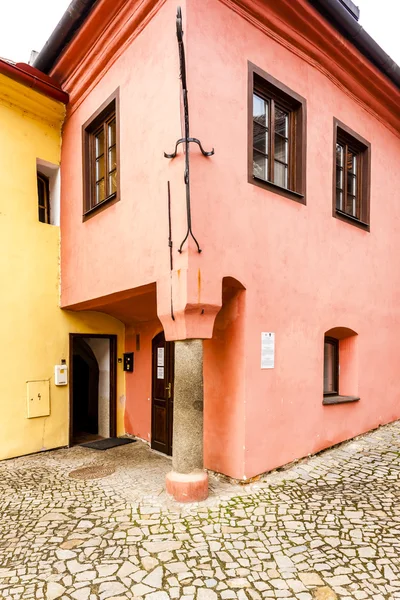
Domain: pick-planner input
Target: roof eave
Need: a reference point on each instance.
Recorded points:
(71, 21)
(333, 10)
(34, 79)
(337, 14)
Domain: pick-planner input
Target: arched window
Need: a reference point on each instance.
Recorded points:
(331, 366)
(43, 198)
(340, 381)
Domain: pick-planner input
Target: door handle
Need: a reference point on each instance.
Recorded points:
(168, 390)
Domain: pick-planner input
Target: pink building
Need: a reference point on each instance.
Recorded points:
(262, 276)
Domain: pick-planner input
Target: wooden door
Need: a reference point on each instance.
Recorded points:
(162, 405)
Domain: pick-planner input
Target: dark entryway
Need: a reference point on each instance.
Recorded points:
(92, 387)
(162, 406)
(85, 390)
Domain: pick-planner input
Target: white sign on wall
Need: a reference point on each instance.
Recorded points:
(267, 350)
(160, 357)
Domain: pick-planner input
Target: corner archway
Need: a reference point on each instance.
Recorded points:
(224, 383)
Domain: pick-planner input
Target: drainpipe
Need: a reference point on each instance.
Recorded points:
(69, 24)
(33, 79)
(344, 21)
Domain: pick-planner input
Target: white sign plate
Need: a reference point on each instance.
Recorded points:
(160, 372)
(160, 357)
(267, 350)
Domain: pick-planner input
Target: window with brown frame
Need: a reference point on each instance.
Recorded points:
(43, 198)
(351, 176)
(331, 366)
(101, 158)
(277, 136)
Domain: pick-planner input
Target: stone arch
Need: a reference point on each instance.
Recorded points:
(232, 282)
(340, 333)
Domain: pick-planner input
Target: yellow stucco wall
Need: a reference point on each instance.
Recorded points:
(34, 331)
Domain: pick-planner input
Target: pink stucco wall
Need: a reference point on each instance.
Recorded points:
(126, 245)
(138, 383)
(302, 271)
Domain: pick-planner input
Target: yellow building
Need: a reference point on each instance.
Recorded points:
(36, 334)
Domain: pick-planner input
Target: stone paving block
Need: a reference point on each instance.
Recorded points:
(324, 529)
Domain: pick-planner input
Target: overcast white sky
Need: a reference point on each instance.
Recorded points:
(25, 25)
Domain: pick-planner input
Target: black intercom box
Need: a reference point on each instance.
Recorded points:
(128, 361)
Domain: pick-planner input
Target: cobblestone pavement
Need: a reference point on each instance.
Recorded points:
(325, 528)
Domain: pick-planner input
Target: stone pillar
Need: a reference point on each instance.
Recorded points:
(188, 482)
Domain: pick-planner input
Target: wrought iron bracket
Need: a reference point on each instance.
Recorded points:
(195, 141)
(187, 140)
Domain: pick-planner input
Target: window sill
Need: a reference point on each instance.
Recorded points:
(101, 206)
(339, 214)
(339, 399)
(277, 189)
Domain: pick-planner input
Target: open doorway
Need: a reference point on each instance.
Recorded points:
(92, 387)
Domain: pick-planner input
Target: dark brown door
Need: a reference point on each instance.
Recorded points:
(162, 406)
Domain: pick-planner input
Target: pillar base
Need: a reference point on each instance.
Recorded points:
(187, 487)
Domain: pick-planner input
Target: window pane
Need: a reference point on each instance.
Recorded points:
(339, 155)
(100, 192)
(281, 148)
(339, 178)
(99, 143)
(260, 138)
(260, 110)
(100, 168)
(329, 368)
(111, 133)
(339, 199)
(351, 206)
(260, 165)
(351, 202)
(281, 122)
(351, 184)
(43, 198)
(42, 215)
(41, 187)
(351, 161)
(280, 175)
(112, 159)
(112, 182)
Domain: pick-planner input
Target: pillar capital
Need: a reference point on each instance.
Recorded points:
(187, 305)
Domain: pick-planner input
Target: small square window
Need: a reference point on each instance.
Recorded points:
(101, 158)
(277, 136)
(351, 176)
